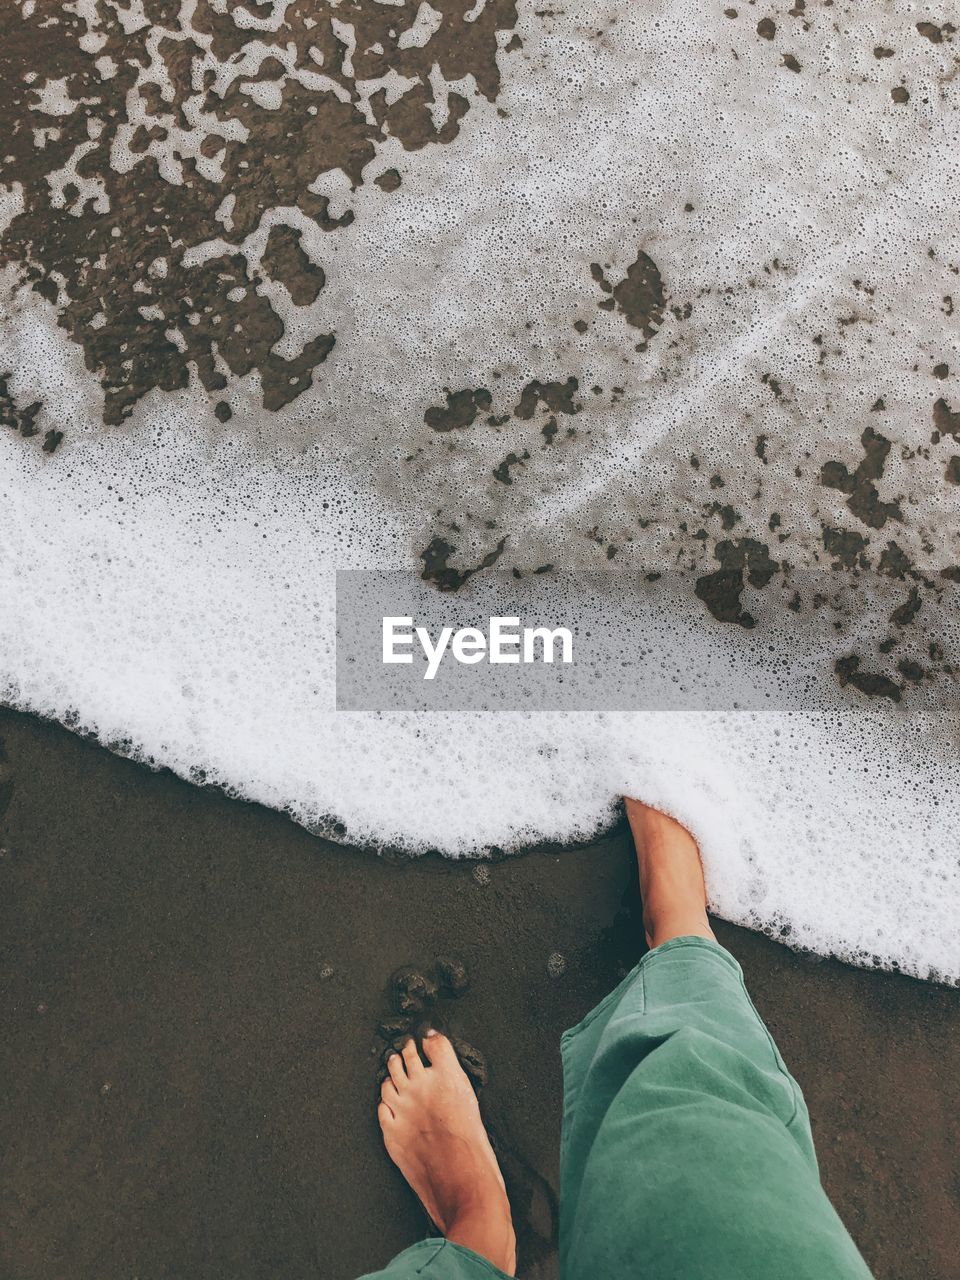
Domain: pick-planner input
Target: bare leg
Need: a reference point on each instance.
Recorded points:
(671, 876)
(434, 1134)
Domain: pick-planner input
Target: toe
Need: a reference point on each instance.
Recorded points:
(384, 1115)
(388, 1092)
(412, 1058)
(396, 1068)
(440, 1052)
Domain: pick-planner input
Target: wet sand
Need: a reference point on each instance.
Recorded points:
(191, 993)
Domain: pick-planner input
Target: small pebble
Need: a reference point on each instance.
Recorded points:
(412, 991)
(393, 1028)
(452, 977)
(481, 873)
(472, 1061)
(556, 965)
(327, 972)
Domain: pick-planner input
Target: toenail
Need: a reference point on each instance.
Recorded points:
(427, 1034)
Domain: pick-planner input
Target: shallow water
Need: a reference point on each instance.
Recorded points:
(479, 287)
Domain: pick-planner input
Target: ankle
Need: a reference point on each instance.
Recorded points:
(489, 1233)
(663, 927)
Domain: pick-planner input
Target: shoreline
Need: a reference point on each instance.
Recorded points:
(194, 985)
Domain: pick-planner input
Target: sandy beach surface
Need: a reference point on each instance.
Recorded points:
(191, 996)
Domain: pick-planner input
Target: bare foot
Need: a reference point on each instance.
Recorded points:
(434, 1135)
(671, 876)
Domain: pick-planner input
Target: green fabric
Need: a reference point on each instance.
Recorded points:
(437, 1260)
(686, 1151)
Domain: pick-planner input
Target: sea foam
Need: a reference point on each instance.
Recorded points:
(743, 241)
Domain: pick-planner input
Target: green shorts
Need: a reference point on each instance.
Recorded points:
(686, 1151)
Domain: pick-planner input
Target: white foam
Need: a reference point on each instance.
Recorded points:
(168, 585)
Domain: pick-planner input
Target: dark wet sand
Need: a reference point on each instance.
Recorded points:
(189, 1090)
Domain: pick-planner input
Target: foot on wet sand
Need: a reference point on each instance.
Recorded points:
(433, 1133)
(671, 876)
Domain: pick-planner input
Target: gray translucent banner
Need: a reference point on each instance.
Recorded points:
(624, 641)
